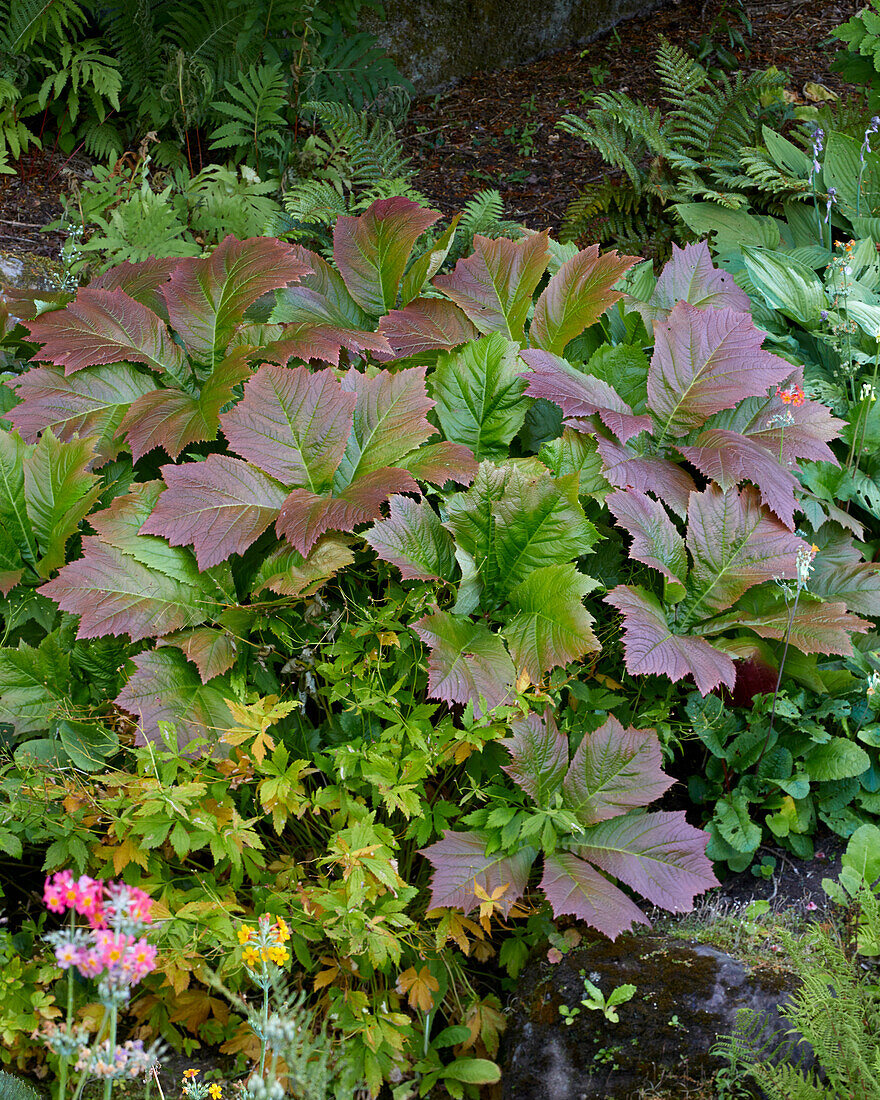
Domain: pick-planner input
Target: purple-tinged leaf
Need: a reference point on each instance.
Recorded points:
(580, 395)
(459, 860)
(206, 297)
(468, 662)
(538, 756)
(839, 573)
(212, 651)
(438, 463)
(19, 304)
(729, 458)
(655, 538)
(288, 573)
(625, 469)
(372, 249)
(173, 418)
(293, 423)
(705, 361)
(550, 626)
(424, 325)
(614, 770)
(305, 516)
(495, 284)
(414, 539)
(426, 266)
(575, 888)
(576, 297)
(690, 276)
(734, 544)
(165, 687)
(141, 281)
(791, 432)
(815, 627)
(219, 506)
(651, 648)
(390, 421)
(105, 326)
(90, 403)
(659, 855)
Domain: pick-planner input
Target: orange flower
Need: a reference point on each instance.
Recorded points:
(190, 1073)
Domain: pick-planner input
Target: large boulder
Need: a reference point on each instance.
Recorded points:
(687, 995)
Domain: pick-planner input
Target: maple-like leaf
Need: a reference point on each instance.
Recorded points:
(141, 281)
(288, 573)
(460, 861)
(690, 276)
(705, 361)
(419, 986)
(550, 625)
(212, 651)
(219, 506)
(581, 395)
(165, 687)
(614, 770)
(414, 539)
(424, 325)
(575, 888)
(372, 249)
(655, 538)
(206, 296)
(172, 418)
(576, 297)
(495, 284)
(467, 661)
(538, 756)
(651, 647)
(293, 423)
(624, 468)
(104, 326)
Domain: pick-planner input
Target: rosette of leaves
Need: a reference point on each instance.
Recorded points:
(708, 406)
(600, 832)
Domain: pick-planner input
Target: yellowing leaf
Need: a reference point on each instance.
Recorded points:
(388, 637)
(125, 853)
(419, 986)
(818, 93)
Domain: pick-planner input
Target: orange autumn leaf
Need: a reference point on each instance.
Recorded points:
(419, 986)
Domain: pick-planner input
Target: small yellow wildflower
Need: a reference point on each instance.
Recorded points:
(283, 934)
(251, 957)
(190, 1073)
(215, 1091)
(278, 954)
(244, 935)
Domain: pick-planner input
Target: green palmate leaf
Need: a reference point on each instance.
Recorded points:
(165, 687)
(478, 392)
(13, 504)
(786, 284)
(34, 682)
(288, 573)
(460, 861)
(467, 663)
(836, 759)
(550, 626)
(59, 492)
(413, 539)
(539, 756)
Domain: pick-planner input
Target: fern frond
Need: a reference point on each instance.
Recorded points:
(372, 149)
(680, 75)
(26, 22)
(253, 109)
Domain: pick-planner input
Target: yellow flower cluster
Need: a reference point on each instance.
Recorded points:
(265, 943)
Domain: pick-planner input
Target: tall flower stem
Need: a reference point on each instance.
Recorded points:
(108, 1084)
(65, 1060)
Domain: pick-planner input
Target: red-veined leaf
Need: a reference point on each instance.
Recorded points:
(288, 573)
(140, 281)
(575, 888)
(538, 756)
(212, 651)
(625, 469)
(414, 539)
(467, 661)
(438, 463)
(424, 325)
(655, 538)
(690, 276)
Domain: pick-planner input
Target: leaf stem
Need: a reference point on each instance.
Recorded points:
(788, 629)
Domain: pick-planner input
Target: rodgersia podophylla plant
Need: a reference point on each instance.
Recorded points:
(109, 946)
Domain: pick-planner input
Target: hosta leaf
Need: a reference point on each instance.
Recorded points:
(690, 276)
(576, 297)
(90, 403)
(59, 492)
(104, 326)
(414, 539)
(141, 281)
(734, 544)
(459, 860)
(219, 506)
(13, 504)
(575, 888)
(206, 297)
(538, 756)
(372, 249)
(705, 361)
(729, 458)
(34, 682)
(494, 285)
(614, 770)
(655, 538)
(305, 516)
(786, 284)
(165, 687)
(478, 392)
(293, 423)
(624, 468)
(424, 325)
(173, 418)
(288, 573)
(212, 651)
(550, 626)
(659, 855)
(438, 463)
(580, 395)
(467, 661)
(390, 421)
(815, 627)
(651, 648)
(836, 759)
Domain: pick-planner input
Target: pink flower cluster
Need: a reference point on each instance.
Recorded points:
(101, 903)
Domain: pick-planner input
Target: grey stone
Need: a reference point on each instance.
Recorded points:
(436, 42)
(687, 996)
(28, 271)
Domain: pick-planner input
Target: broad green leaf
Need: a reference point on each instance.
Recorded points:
(787, 285)
(88, 744)
(288, 573)
(479, 395)
(575, 453)
(34, 683)
(13, 503)
(731, 228)
(842, 171)
(472, 1071)
(735, 824)
(836, 759)
(426, 266)
(413, 539)
(625, 367)
(11, 563)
